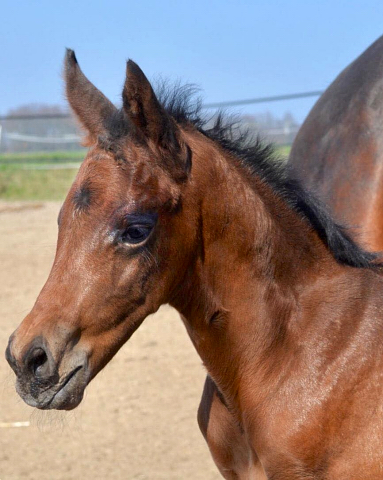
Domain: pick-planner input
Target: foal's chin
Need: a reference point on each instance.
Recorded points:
(66, 394)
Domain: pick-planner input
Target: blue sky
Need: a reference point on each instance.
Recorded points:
(231, 49)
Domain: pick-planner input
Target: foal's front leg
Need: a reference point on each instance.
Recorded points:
(226, 441)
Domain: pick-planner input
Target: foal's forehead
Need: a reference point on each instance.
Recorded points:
(97, 178)
(105, 179)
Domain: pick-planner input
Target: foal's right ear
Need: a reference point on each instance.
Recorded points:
(153, 124)
(91, 106)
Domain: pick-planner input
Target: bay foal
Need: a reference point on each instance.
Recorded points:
(284, 309)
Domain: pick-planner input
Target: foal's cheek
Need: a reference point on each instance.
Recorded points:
(131, 280)
(123, 274)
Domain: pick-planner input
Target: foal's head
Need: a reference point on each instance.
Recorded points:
(142, 226)
(123, 241)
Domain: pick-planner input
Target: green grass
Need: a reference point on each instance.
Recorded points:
(283, 151)
(21, 184)
(23, 176)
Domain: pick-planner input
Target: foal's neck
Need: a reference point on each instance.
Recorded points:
(256, 257)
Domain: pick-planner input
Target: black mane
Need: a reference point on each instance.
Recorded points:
(180, 103)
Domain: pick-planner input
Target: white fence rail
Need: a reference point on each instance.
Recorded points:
(60, 134)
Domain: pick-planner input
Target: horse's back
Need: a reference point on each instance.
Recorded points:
(338, 151)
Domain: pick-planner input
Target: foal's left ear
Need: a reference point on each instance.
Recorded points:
(91, 107)
(152, 122)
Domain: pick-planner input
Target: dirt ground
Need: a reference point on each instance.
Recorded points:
(138, 418)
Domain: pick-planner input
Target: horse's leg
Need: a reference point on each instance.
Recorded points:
(224, 437)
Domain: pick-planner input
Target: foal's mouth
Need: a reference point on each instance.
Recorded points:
(64, 395)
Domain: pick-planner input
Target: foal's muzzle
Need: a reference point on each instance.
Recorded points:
(39, 382)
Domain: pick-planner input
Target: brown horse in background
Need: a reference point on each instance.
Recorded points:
(338, 151)
(282, 306)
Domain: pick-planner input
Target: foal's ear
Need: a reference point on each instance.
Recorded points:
(151, 121)
(91, 106)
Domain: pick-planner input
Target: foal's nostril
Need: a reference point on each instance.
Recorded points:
(37, 362)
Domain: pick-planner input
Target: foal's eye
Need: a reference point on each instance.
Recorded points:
(137, 228)
(136, 233)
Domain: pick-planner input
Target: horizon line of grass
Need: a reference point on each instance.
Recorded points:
(43, 157)
(64, 156)
(19, 180)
